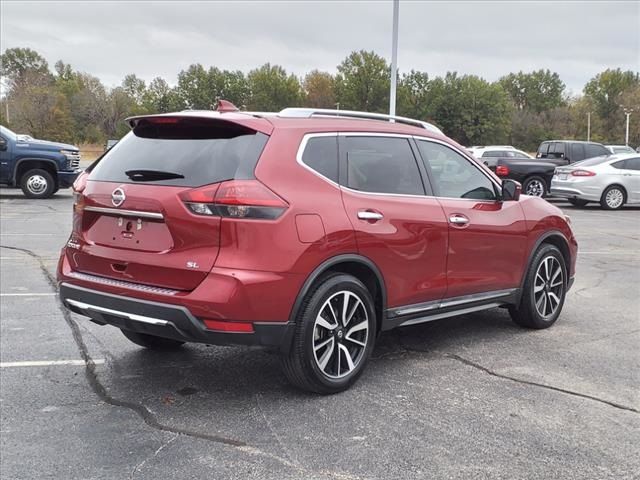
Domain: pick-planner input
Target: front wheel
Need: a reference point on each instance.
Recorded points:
(613, 198)
(151, 341)
(544, 290)
(37, 183)
(535, 186)
(334, 336)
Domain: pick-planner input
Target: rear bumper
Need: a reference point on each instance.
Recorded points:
(165, 320)
(575, 189)
(66, 179)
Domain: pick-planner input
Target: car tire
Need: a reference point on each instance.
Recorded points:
(332, 342)
(544, 290)
(535, 186)
(613, 198)
(152, 342)
(37, 183)
(577, 202)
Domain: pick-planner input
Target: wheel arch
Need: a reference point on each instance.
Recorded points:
(25, 164)
(555, 238)
(360, 267)
(620, 186)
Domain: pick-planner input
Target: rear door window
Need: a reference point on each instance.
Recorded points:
(577, 152)
(201, 151)
(381, 165)
(632, 164)
(543, 149)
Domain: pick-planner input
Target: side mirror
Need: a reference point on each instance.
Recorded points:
(511, 190)
(3, 144)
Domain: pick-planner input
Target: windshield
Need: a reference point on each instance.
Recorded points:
(622, 150)
(592, 161)
(7, 133)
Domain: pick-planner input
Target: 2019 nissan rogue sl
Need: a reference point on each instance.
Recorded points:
(309, 230)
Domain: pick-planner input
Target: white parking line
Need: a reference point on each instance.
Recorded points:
(47, 363)
(27, 294)
(29, 234)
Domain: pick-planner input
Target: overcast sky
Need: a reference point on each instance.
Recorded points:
(110, 39)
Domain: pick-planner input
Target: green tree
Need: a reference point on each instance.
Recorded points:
(607, 92)
(272, 89)
(470, 109)
(16, 63)
(159, 97)
(536, 91)
(362, 82)
(415, 96)
(319, 90)
(194, 86)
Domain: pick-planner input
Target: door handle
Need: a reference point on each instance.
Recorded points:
(458, 219)
(370, 215)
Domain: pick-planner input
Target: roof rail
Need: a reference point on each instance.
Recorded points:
(325, 112)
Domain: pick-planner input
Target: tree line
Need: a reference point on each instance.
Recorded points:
(521, 108)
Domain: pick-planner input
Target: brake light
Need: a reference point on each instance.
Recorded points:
(235, 199)
(582, 173)
(81, 182)
(502, 170)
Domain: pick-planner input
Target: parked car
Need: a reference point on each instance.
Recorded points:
(564, 152)
(536, 174)
(612, 181)
(308, 230)
(496, 151)
(39, 167)
(620, 149)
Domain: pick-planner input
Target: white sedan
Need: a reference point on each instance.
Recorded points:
(612, 181)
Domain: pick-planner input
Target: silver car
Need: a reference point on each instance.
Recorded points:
(612, 181)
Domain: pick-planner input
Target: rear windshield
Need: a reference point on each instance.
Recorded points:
(592, 161)
(202, 151)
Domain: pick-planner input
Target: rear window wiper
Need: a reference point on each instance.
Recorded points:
(143, 175)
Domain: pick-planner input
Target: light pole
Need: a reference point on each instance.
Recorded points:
(588, 126)
(627, 112)
(394, 58)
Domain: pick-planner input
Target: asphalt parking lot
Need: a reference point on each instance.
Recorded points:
(470, 397)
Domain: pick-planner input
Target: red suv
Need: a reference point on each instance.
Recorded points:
(309, 230)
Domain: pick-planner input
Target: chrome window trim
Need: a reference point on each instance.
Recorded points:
(125, 213)
(308, 136)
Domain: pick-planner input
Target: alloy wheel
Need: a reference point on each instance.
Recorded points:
(548, 286)
(535, 188)
(340, 334)
(614, 198)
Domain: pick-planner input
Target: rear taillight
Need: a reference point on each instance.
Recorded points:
(78, 205)
(248, 199)
(502, 170)
(582, 173)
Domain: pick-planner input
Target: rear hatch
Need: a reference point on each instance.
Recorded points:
(132, 222)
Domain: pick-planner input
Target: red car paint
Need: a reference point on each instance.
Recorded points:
(253, 270)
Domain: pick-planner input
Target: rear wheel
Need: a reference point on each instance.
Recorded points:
(535, 186)
(151, 341)
(37, 183)
(576, 202)
(613, 198)
(334, 336)
(544, 290)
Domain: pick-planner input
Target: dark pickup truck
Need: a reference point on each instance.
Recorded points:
(535, 174)
(39, 167)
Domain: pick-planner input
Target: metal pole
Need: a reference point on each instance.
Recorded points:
(626, 137)
(589, 127)
(394, 58)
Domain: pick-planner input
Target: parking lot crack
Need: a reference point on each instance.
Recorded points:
(146, 415)
(137, 468)
(540, 385)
